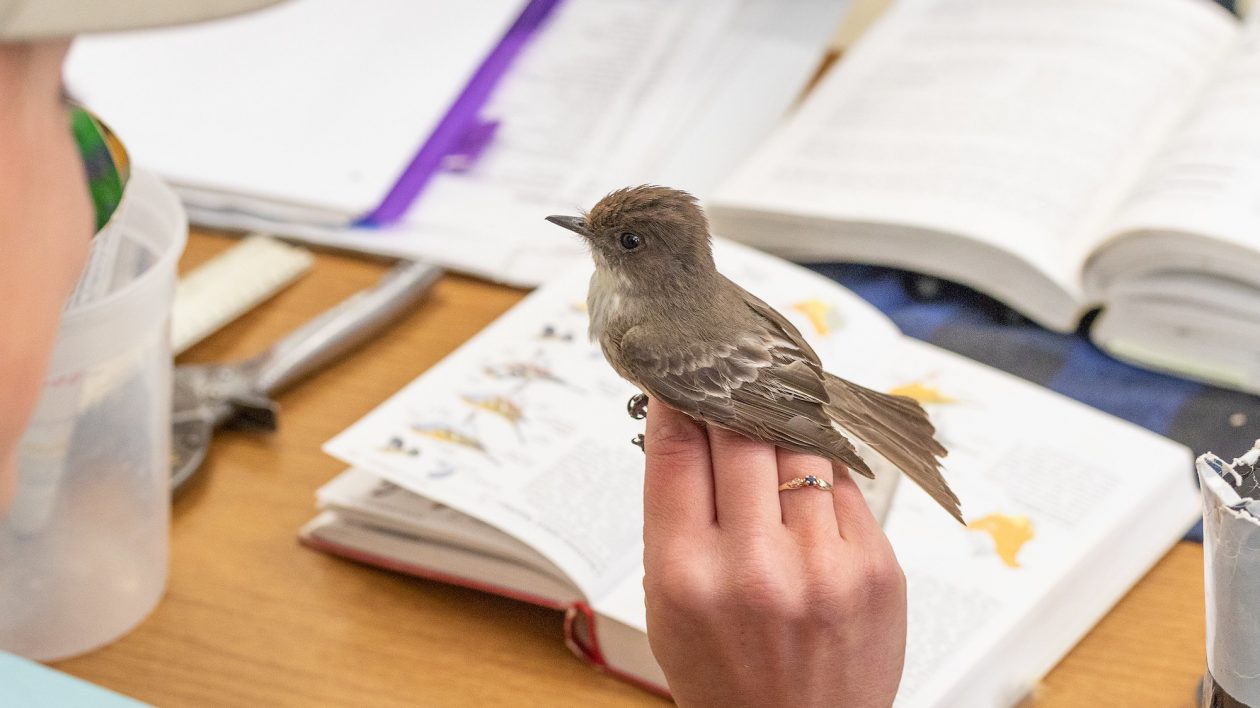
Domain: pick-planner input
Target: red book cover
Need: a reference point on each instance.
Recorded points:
(579, 619)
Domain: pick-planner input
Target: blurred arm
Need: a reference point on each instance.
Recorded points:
(46, 225)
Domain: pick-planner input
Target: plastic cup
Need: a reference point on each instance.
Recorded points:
(83, 546)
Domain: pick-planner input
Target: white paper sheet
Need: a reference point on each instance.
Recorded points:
(312, 105)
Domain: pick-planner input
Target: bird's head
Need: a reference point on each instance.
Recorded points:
(647, 234)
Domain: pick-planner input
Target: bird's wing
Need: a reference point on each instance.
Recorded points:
(761, 385)
(895, 427)
(779, 327)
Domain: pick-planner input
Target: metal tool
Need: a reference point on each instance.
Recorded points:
(207, 396)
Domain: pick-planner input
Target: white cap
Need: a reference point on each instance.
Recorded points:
(40, 19)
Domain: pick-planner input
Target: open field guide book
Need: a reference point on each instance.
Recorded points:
(1059, 156)
(508, 467)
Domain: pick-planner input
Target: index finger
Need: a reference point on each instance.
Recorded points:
(678, 478)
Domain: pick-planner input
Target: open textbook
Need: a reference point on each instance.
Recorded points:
(1059, 156)
(297, 120)
(508, 467)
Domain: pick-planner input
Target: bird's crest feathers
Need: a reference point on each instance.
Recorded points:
(661, 210)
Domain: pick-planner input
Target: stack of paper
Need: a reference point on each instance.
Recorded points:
(304, 112)
(300, 119)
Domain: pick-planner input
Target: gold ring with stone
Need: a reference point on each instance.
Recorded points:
(808, 480)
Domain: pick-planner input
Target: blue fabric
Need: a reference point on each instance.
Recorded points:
(1205, 418)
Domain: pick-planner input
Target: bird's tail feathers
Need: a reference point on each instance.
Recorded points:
(897, 429)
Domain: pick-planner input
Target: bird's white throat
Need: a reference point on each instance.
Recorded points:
(607, 299)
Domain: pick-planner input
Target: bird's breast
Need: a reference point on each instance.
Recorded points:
(606, 307)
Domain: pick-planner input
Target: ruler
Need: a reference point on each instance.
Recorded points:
(231, 284)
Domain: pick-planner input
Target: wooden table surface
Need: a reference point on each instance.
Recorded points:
(252, 618)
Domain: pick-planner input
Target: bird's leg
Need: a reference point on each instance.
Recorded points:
(637, 406)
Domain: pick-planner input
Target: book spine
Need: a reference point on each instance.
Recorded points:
(580, 637)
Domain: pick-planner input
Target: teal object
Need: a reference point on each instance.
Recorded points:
(30, 685)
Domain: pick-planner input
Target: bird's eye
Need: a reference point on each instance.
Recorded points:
(630, 241)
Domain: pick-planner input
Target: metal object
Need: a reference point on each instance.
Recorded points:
(207, 396)
(1231, 560)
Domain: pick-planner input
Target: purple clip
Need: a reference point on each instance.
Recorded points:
(472, 143)
(461, 135)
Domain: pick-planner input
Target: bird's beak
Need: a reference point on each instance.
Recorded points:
(576, 224)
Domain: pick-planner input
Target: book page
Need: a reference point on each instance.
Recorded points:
(525, 427)
(1194, 324)
(615, 93)
(1206, 180)
(609, 93)
(318, 104)
(1012, 123)
(361, 497)
(421, 556)
(1066, 507)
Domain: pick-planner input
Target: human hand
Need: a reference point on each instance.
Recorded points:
(757, 597)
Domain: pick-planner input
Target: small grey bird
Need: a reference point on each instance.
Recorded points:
(671, 324)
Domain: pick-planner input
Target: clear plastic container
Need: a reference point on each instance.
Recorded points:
(83, 546)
